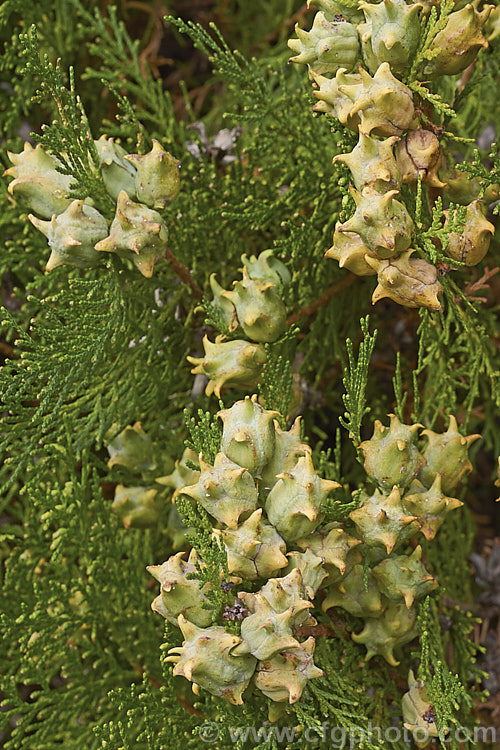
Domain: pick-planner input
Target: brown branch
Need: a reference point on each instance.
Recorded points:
(327, 295)
(183, 273)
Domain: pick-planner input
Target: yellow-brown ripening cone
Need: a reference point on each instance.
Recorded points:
(157, 180)
(404, 577)
(180, 595)
(260, 310)
(248, 435)
(333, 9)
(418, 154)
(135, 506)
(471, 245)
(382, 520)
(283, 677)
(446, 454)
(225, 490)
(337, 96)
(72, 235)
(136, 233)
(394, 628)
(207, 658)
(132, 448)
(293, 505)
(353, 595)
(327, 47)
(229, 364)
(383, 104)
(392, 32)
(419, 716)
(37, 181)
(372, 164)
(349, 250)
(288, 448)
(430, 506)
(311, 569)
(382, 222)
(118, 174)
(391, 456)
(254, 549)
(267, 268)
(182, 475)
(458, 44)
(333, 545)
(411, 282)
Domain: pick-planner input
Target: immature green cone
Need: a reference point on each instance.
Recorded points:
(349, 250)
(327, 47)
(72, 235)
(284, 676)
(225, 490)
(267, 268)
(311, 569)
(461, 188)
(411, 282)
(404, 577)
(332, 9)
(182, 475)
(260, 310)
(248, 435)
(352, 595)
(382, 222)
(430, 506)
(391, 34)
(229, 364)
(224, 307)
(418, 713)
(382, 520)
(137, 233)
(391, 456)
(37, 181)
(157, 179)
(418, 154)
(394, 628)
(458, 44)
(447, 454)
(132, 448)
(372, 164)
(135, 506)
(254, 549)
(294, 504)
(334, 547)
(180, 595)
(337, 96)
(288, 448)
(471, 245)
(207, 659)
(118, 174)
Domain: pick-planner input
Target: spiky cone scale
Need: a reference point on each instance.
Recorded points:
(335, 547)
(260, 310)
(248, 434)
(392, 33)
(461, 188)
(391, 456)
(72, 235)
(207, 658)
(411, 282)
(135, 506)
(267, 267)
(137, 233)
(311, 569)
(293, 505)
(37, 181)
(180, 595)
(372, 164)
(132, 448)
(157, 180)
(117, 173)
(282, 592)
(382, 520)
(458, 44)
(418, 154)
(446, 454)
(223, 305)
(288, 448)
(418, 713)
(229, 364)
(382, 222)
(334, 8)
(336, 96)
(349, 250)
(182, 475)
(492, 27)
(283, 677)
(396, 626)
(225, 490)
(254, 549)
(404, 577)
(327, 47)
(471, 245)
(354, 596)
(430, 506)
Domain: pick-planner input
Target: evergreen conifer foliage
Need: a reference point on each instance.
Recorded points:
(194, 396)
